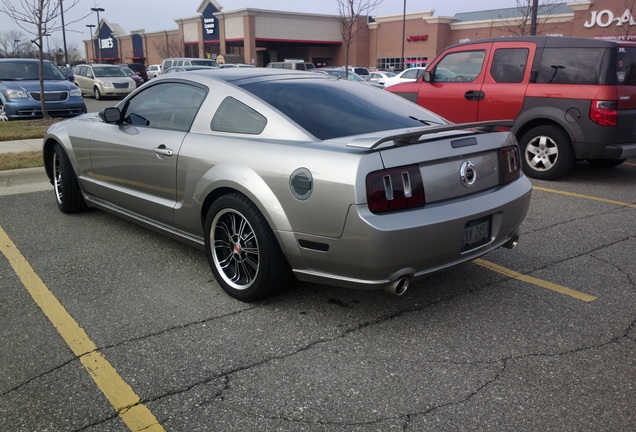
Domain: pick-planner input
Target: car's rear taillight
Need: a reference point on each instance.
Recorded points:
(509, 164)
(604, 113)
(395, 189)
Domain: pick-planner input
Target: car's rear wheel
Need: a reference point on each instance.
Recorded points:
(67, 191)
(547, 152)
(242, 250)
(97, 93)
(606, 163)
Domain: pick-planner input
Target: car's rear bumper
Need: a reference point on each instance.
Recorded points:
(377, 250)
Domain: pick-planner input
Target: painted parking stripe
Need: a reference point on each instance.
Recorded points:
(588, 197)
(535, 281)
(121, 396)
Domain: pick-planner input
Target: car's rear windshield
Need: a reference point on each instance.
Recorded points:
(29, 71)
(329, 108)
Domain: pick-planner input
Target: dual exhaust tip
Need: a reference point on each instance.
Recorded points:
(399, 286)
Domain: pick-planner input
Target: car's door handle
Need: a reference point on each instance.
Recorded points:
(474, 95)
(162, 151)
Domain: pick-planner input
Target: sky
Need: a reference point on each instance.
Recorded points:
(154, 15)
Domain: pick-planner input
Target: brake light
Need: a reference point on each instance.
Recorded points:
(395, 189)
(509, 164)
(604, 113)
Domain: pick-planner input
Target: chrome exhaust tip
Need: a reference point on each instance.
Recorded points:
(512, 243)
(398, 287)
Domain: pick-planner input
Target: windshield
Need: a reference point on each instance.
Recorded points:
(29, 71)
(337, 108)
(204, 62)
(105, 71)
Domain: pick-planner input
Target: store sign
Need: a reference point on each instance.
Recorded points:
(106, 43)
(209, 25)
(606, 17)
(416, 38)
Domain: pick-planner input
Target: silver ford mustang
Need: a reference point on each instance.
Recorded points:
(283, 175)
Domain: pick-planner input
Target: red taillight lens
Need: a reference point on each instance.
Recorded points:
(395, 189)
(509, 164)
(604, 113)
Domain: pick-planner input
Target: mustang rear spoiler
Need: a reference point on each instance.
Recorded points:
(412, 136)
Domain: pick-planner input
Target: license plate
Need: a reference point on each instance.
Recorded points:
(476, 233)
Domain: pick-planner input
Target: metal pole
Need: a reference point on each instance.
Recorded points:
(403, 34)
(99, 41)
(63, 33)
(533, 24)
(90, 27)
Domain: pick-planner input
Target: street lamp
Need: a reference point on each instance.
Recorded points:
(63, 33)
(99, 42)
(90, 28)
(48, 49)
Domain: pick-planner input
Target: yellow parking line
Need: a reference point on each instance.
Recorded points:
(539, 282)
(121, 396)
(603, 200)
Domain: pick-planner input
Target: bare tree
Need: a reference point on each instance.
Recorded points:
(350, 13)
(11, 43)
(170, 48)
(626, 22)
(38, 18)
(521, 24)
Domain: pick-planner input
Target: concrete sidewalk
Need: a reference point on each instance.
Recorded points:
(22, 180)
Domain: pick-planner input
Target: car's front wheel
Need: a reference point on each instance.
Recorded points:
(67, 191)
(242, 250)
(547, 152)
(96, 93)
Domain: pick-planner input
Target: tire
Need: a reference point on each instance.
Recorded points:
(68, 194)
(242, 250)
(606, 163)
(97, 94)
(547, 152)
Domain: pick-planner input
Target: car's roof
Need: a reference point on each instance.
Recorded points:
(234, 75)
(23, 60)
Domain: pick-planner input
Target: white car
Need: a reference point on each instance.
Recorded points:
(154, 71)
(380, 77)
(408, 75)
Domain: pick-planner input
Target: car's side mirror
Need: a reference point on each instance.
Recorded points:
(110, 115)
(427, 76)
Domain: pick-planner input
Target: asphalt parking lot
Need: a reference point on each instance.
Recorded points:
(106, 326)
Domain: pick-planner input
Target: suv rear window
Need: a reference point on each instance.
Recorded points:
(576, 66)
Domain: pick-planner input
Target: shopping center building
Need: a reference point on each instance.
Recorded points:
(258, 36)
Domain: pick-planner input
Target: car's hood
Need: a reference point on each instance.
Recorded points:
(34, 85)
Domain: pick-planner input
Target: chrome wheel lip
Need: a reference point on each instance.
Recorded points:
(57, 178)
(541, 153)
(235, 249)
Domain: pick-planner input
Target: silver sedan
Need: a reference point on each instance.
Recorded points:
(282, 176)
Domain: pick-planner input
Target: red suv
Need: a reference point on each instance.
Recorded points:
(571, 98)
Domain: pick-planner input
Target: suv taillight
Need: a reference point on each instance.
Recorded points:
(509, 164)
(395, 189)
(604, 113)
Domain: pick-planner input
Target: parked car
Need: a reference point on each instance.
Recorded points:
(408, 75)
(20, 91)
(571, 98)
(362, 72)
(352, 76)
(153, 71)
(68, 72)
(139, 69)
(277, 174)
(187, 61)
(186, 69)
(131, 73)
(380, 77)
(102, 80)
(233, 65)
(292, 65)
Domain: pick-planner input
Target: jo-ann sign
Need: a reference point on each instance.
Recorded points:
(606, 18)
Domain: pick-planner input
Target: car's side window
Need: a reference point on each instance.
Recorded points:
(463, 66)
(171, 106)
(236, 117)
(574, 65)
(509, 65)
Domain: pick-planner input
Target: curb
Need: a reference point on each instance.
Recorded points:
(24, 180)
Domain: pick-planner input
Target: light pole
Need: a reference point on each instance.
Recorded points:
(99, 42)
(63, 33)
(48, 49)
(90, 28)
(403, 33)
